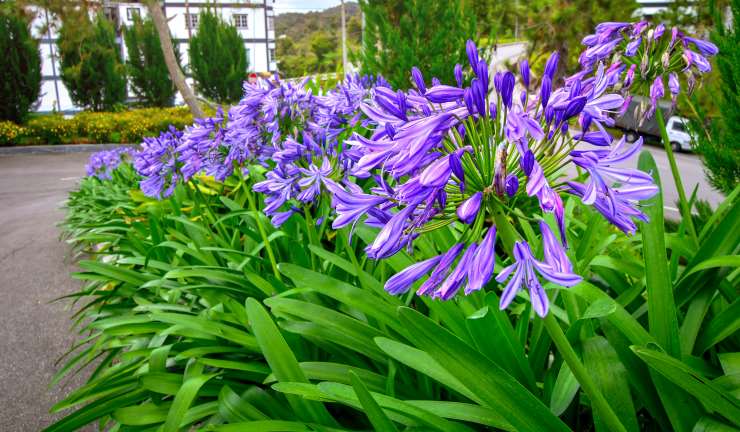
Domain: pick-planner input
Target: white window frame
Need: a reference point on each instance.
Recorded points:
(241, 21)
(130, 13)
(192, 20)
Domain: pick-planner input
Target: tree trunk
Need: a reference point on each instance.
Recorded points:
(160, 22)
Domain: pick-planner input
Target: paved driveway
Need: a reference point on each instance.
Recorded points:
(34, 269)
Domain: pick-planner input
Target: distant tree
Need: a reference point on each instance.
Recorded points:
(497, 19)
(150, 80)
(559, 25)
(429, 34)
(20, 65)
(218, 59)
(92, 69)
(717, 140)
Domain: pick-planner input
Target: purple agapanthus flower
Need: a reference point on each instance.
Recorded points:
(102, 164)
(523, 272)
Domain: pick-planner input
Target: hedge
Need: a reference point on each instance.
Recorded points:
(94, 127)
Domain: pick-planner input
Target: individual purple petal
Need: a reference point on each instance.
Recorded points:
(437, 174)
(545, 90)
(459, 75)
(552, 65)
(440, 272)
(705, 47)
(472, 51)
(457, 277)
(402, 281)
(524, 72)
(444, 93)
(483, 263)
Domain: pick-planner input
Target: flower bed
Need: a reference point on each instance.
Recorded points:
(94, 127)
(364, 258)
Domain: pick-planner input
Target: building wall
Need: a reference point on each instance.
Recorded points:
(259, 41)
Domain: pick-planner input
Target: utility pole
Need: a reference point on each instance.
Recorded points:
(344, 41)
(187, 20)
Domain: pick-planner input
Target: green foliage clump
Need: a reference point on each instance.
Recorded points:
(147, 70)
(218, 59)
(401, 34)
(20, 65)
(94, 127)
(92, 68)
(718, 140)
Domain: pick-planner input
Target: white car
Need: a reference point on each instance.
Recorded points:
(678, 134)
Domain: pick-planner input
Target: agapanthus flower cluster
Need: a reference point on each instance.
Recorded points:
(477, 156)
(649, 57)
(469, 155)
(102, 164)
(157, 163)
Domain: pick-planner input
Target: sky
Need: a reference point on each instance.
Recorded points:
(283, 6)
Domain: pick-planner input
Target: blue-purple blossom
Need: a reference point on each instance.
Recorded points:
(102, 164)
(523, 272)
(468, 210)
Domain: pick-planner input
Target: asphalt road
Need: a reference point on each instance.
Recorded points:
(36, 265)
(35, 270)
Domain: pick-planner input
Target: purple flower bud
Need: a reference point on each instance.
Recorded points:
(468, 99)
(444, 93)
(552, 65)
(479, 96)
(524, 71)
(575, 89)
(512, 185)
(472, 51)
(657, 91)
(492, 110)
(632, 47)
(457, 169)
(674, 37)
(528, 162)
(418, 79)
(468, 210)
(436, 81)
(497, 80)
(659, 30)
(545, 91)
(705, 47)
(629, 76)
(459, 74)
(507, 88)
(575, 106)
(673, 83)
(482, 72)
(523, 98)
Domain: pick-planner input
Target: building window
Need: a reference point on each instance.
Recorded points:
(241, 21)
(270, 23)
(272, 55)
(191, 20)
(249, 54)
(132, 12)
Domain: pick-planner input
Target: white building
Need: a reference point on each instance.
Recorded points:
(254, 20)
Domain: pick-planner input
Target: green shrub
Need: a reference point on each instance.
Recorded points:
(218, 59)
(20, 65)
(147, 70)
(92, 69)
(95, 127)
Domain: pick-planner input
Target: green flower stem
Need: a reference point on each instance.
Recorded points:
(263, 234)
(598, 402)
(684, 203)
(504, 229)
(310, 231)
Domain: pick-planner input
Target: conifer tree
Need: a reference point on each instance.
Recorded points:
(91, 65)
(218, 59)
(20, 65)
(146, 68)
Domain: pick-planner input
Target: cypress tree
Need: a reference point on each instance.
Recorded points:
(20, 65)
(92, 69)
(147, 70)
(218, 59)
(401, 34)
